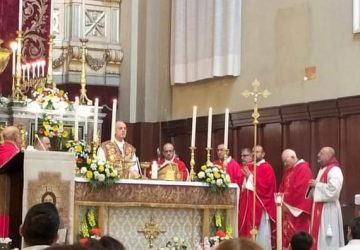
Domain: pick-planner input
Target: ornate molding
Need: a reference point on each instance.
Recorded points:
(96, 63)
(66, 53)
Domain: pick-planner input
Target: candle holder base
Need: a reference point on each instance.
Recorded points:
(192, 163)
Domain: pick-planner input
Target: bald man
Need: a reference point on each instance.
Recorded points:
(326, 221)
(120, 153)
(11, 145)
(294, 184)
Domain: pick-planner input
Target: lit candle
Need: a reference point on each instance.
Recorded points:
(76, 131)
(33, 66)
(28, 71)
(38, 65)
(42, 68)
(193, 128)
(226, 128)
(20, 14)
(83, 17)
(51, 16)
(13, 46)
(113, 120)
(96, 110)
(208, 145)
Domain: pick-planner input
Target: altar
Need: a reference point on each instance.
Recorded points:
(182, 209)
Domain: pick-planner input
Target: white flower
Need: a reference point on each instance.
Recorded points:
(101, 177)
(201, 174)
(219, 182)
(93, 166)
(83, 170)
(215, 170)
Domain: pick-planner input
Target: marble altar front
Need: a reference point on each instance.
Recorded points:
(182, 209)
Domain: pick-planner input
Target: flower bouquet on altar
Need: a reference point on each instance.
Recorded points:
(98, 173)
(89, 228)
(82, 151)
(175, 244)
(214, 176)
(53, 127)
(51, 98)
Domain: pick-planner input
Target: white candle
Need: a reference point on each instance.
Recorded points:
(96, 110)
(85, 129)
(226, 128)
(33, 66)
(20, 14)
(83, 17)
(76, 107)
(42, 68)
(51, 16)
(38, 65)
(13, 46)
(36, 123)
(154, 170)
(208, 145)
(113, 120)
(193, 128)
(28, 71)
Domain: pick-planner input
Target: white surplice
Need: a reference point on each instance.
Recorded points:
(331, 234)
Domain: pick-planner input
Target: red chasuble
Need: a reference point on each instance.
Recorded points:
(7, 151)
(234, 170)
(265, 189)
(181, 166)
(294, 185)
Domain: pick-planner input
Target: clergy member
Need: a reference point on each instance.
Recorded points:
(264, 203)
(230, 166)
(326, 221)
(296, 208)
(42, 143)
(11, 145)
(120, 153)
(171, 167)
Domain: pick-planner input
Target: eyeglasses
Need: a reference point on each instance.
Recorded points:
(244, 155)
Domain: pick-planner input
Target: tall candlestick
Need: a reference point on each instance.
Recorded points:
(20, 14)
(208, 145)
(96, 110)
(76, 131)
(193, 128)
(113, 120)
(226, 128)
(13, 46)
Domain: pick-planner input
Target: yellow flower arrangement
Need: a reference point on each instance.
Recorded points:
(214, 176)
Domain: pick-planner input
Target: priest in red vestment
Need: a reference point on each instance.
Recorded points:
(8, 149)
(294, 184)
(170, 159)
(231, 166)
(265, 210)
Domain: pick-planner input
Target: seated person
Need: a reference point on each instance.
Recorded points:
(171, 167)
(42, 143)
(40, 227)
(301, 241)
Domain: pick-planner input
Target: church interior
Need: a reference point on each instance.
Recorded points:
(149, 63)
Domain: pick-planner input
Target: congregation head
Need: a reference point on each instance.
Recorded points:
(110, 243)
(12, 133)
(238, 244)
(120, 130)
(289, 157)
(354, 229)
(301, 241)
(325, 155)
(41, 225)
